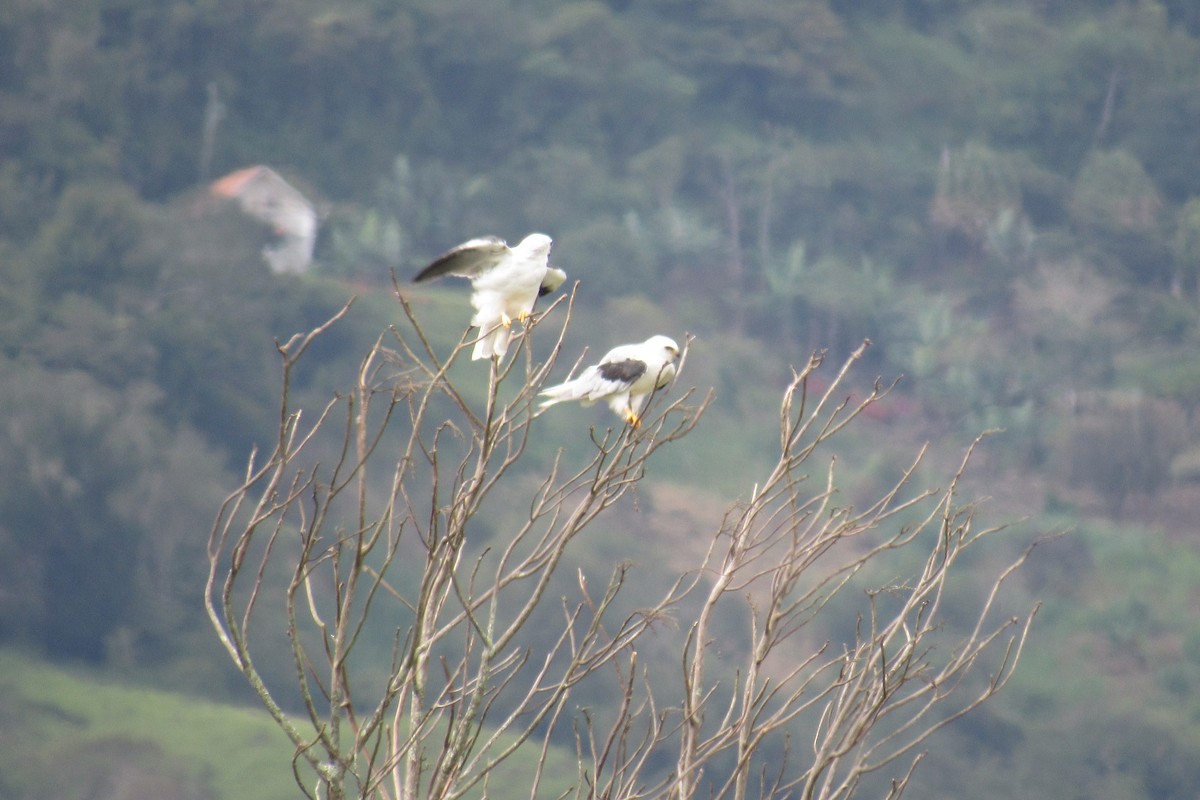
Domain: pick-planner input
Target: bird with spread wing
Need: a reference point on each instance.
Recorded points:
(625, 378)
(505, 282)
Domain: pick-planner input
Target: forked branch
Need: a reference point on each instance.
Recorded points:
(423, 653)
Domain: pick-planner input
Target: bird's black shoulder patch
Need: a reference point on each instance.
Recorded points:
(626, 371)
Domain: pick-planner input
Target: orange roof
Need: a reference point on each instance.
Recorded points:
(231, 185)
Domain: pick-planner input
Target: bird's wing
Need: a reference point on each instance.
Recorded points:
(467, 260)
(608, 378)
(621, 372)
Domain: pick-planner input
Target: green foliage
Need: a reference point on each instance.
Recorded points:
(1100, 678)
(18, 298)
(87, 731)
(975, 185)
(1123, 450)
(1114, 191)
(101, 506)
(1002, 196)
(933, 93)
(1065, 313)
(81, 333)
(759, 59)
(119, 764)
(74, 734)
(1186, 244)
(88, 247)
(1175, 377)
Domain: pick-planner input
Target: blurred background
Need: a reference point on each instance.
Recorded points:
(1004, 197)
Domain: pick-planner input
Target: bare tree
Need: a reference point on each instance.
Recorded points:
(785, 554)
(387, 536)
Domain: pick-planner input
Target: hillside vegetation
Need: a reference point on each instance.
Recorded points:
(1003, 197)
(69, 734)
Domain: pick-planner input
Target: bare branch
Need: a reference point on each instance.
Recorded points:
(370, 524)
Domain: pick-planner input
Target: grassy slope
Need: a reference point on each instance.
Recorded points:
(52, 718)
(54, 712)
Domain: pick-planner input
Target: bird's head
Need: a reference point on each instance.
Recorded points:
(668, 345)
(554, 278)
(535, 245)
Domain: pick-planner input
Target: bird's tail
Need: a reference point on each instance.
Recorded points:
(562, 393)
(492, 343)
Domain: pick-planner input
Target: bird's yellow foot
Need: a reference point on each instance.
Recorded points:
(633, 419)
(523, 317)
(505, 320)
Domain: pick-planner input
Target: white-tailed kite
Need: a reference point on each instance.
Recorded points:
(625, 378)
(507, 281)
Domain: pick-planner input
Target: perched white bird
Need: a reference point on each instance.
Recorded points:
(507, 281)
(625, 378)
